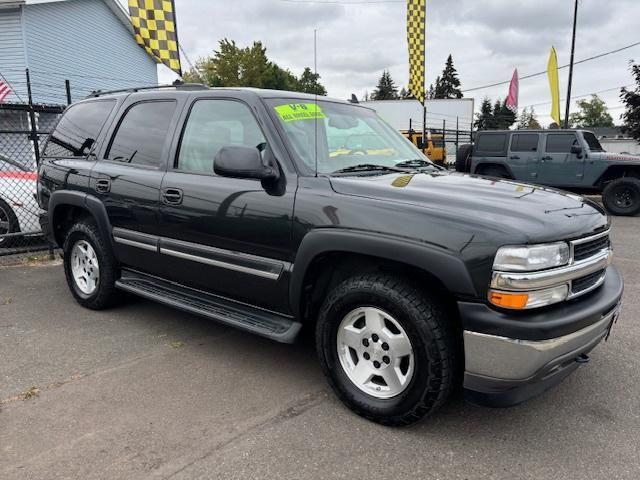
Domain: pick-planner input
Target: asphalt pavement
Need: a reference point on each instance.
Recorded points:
(144, 391)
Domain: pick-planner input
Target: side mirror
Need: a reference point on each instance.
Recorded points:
(238, 161)
(576, 150)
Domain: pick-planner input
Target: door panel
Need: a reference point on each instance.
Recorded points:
(523, 156)
(228, 236)
(558, 166)
(129, 175)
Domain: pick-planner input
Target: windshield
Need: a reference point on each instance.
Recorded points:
(593, 142)
(347, 136)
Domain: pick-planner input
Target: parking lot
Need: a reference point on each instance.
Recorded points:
(144, 391)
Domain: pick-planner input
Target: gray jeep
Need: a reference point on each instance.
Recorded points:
(569, 159)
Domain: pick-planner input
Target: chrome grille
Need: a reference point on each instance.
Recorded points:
(588, 282)
(590, 247)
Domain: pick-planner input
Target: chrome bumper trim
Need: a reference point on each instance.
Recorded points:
(505, 358)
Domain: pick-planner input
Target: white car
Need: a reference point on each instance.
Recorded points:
(18, 206)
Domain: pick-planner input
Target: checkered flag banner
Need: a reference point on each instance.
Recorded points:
(416, 22)
(154, 25)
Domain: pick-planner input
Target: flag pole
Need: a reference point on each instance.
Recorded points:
(573, 49)
(424, 82)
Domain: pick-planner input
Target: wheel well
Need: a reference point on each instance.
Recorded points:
(64, 217)
(483, 167)
(329, 269)
(618, 171)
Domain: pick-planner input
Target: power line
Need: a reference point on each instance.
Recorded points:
(600, 55)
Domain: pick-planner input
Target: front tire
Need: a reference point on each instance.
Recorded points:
(90, 267)
(622, 196)
(387, 348)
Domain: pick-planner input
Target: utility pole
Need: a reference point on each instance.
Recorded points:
(573, 49)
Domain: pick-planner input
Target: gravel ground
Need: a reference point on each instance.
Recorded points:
(144, 391)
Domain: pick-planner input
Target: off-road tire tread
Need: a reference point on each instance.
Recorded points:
(418, 304)
(608, 204)
(107, 294)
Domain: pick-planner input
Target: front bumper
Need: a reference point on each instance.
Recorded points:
(511, 357)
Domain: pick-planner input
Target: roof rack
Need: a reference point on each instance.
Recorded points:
(176, 85)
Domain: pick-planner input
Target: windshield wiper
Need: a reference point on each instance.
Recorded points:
(416, 163)
(369, 167)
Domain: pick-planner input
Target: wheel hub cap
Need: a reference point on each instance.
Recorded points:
(84, 267)
(375, 352)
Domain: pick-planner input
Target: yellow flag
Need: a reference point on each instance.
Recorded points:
(416, 17)
(552, 73)
(154, 26)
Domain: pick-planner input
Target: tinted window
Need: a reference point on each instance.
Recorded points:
(593, 142)
(492, 143)
(524, 142)
(78, 129)
(141, 135)
(561, 142)
(213, 124)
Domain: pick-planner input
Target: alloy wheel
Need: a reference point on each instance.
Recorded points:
(375, 352)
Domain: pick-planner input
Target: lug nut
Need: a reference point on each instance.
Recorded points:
(366, 356)
(386, 360)
(375, 337)
(365, 342)
(376, 364)
(385, 346)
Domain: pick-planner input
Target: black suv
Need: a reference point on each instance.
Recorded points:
(248, 207)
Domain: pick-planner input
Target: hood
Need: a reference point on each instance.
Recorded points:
(504, 209)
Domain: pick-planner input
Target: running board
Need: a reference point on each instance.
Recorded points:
(261, 322)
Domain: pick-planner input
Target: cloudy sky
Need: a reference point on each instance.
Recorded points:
(358, 39)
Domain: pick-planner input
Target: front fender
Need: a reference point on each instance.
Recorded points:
(439, 262)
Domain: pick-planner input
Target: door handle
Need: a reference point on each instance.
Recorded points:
(103, 185)
(514, 157)
(546, 158)
(172, 196)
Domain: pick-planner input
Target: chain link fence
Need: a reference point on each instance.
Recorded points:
(23, 129)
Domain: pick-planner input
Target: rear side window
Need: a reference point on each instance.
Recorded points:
(491, 144)
(524, 142)
(141, 135)
(78, 129)
(560, 142)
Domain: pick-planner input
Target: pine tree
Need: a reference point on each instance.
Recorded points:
(504, 116)
(484, 119)
(448, 85)
(386, 89)
(631, 99)
(527, 120)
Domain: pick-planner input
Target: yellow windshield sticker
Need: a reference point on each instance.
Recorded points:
(293, 112)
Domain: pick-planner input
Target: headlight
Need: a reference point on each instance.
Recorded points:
(529, 258)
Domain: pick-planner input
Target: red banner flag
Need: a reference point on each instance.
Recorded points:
(512, 99)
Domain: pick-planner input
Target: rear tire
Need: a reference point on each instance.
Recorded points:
(462, 158)
(90, 267)
(387, 348)
(622, 196)
(8, 224)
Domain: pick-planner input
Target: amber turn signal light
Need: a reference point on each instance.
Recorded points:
(516, 301)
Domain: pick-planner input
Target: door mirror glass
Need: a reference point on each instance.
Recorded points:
(238, 161)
